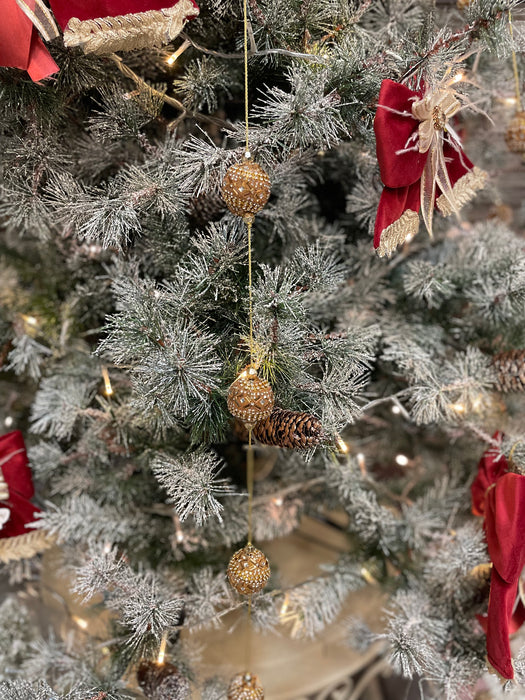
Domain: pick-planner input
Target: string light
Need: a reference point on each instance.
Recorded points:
(162, 649)
(83, 624)
(284, 608)
(510, 101)
(341, 444)
(108, 389)
(8, 421)
(458, 77)
(402, 460)
(278, 501)
(458, 407)
(367, 575)
(30, 321)
(174, 56)
(396, 409)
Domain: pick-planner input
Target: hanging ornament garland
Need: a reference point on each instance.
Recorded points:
(421, 160)
(245, 686)
(515, 134)
(245, 190)
(20, 45)
(106, 26)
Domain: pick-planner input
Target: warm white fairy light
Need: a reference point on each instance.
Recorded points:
(162, 649)
(174, 56)
(360, 459)
(30, 320)
(278, 501)
(458, 407)
(341, 444)
(108, 389)
(402, 460)
(396, 409)
(83, 624)
(8, 421)
(367, 575)
(458, 77)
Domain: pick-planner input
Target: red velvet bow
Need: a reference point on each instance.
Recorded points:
(20, 45)
(499, 495)
(416, 175)
(16, 490)
(17, 476)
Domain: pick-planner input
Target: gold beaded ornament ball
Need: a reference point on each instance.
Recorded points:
(515, 134)
(462, 4)
(248, 570)
(245, 686)
(250, 398)
(246, 189)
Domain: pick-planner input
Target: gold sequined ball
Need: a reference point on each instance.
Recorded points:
(250, 398)
(515, 135)
(245, 189)
(248, 570)
(245, 686)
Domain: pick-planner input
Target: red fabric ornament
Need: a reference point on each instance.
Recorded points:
(20, 45)
(499, 495)
(105, 26)
(421, 161)
(16, 509)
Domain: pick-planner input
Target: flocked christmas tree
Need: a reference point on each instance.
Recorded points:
(131, 302)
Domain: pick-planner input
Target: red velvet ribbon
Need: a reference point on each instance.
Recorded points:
(499, 496)
(64, 10)
(401, 172)
(17, 475)
(20, 45)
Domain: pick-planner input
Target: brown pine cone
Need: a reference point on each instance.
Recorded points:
(205, 208)
(162, 681)
(292, 429)
(510, 369)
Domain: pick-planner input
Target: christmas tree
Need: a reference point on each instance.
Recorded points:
(199, 376)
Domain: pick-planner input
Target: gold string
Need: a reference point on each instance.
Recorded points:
(515, 67)
(246, 77)
(248, 659)
(249, 480)
(250, 290)
(250, 454)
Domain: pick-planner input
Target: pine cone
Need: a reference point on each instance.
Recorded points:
(162, 681)
(206, 207)
(510, 369)
(292, 429)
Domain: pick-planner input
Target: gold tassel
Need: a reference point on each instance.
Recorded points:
(24, 546)
(397, 233)
(128, 32)
(464, 189)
